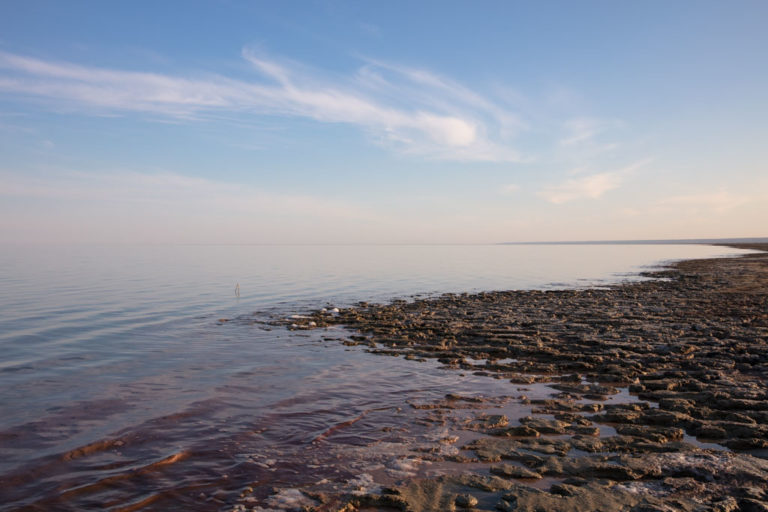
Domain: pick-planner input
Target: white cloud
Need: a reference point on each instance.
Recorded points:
(439, 92)
(591, 186)
(417, 112)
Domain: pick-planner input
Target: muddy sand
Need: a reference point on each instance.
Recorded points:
(659, 402)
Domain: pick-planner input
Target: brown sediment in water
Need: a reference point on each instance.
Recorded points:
(690, 345)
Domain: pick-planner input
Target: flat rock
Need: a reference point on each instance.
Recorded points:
(510, 471)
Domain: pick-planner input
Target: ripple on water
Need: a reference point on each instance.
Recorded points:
(119, 389)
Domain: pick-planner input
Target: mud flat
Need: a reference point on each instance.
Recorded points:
(659, 393)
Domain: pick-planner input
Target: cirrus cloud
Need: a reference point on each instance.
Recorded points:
(590, 186)
(413, 111)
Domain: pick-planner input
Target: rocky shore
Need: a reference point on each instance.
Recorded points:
(660, 398)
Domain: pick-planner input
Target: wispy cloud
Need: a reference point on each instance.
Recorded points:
(719, 202)
(581, 130)
(412, 110)
(422, 84)
(510, 188)
(710, 205)
(590, 186)
(589, 137)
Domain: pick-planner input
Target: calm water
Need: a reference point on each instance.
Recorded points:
(119, 389)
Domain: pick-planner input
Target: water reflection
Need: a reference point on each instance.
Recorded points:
(119, 387)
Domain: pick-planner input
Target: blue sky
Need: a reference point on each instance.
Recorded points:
(391, 122)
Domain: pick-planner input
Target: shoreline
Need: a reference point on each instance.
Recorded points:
(690, 346)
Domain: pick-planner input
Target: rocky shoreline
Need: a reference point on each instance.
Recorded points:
(689, 345)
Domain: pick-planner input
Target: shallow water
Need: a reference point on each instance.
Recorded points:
(118, 386)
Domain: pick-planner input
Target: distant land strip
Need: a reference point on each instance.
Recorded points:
(709, 241)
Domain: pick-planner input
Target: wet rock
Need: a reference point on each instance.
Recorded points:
(574, 499)
(520, 431)
(617, 416)
(564, 490)
(545, 426)
(484, 483)
(522, 379)
(741, 404)
(654, 434)
(593, 407)
(754, 492)
(596, 391)
(646, 506)
(695, 343)
(750, 505)
(589, 444)
(417, 496)
(676, 404)
(728, 504)
(744, 430)
(753, 443)
(665, 418)
(711, 432)
(632, 406)
(454, 396)
(495, 449)
(462, 459)
(465, 501)
(593, 467)
(488, 422)
(739, 418)
(585, 431)
(661, 384)
(570, 417)
(510, 471)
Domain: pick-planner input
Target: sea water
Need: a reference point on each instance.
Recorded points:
(119, 384)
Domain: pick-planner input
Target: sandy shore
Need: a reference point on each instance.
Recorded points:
(690, 346)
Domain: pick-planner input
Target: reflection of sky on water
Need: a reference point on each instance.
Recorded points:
(114, 342)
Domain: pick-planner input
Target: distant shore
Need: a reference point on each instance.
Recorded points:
(731, 242)
(690, 346)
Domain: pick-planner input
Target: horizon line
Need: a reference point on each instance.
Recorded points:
(661, 241)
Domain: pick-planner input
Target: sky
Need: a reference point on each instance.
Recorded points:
(246, 122)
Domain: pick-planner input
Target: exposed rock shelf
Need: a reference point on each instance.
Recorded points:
(690, 345)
